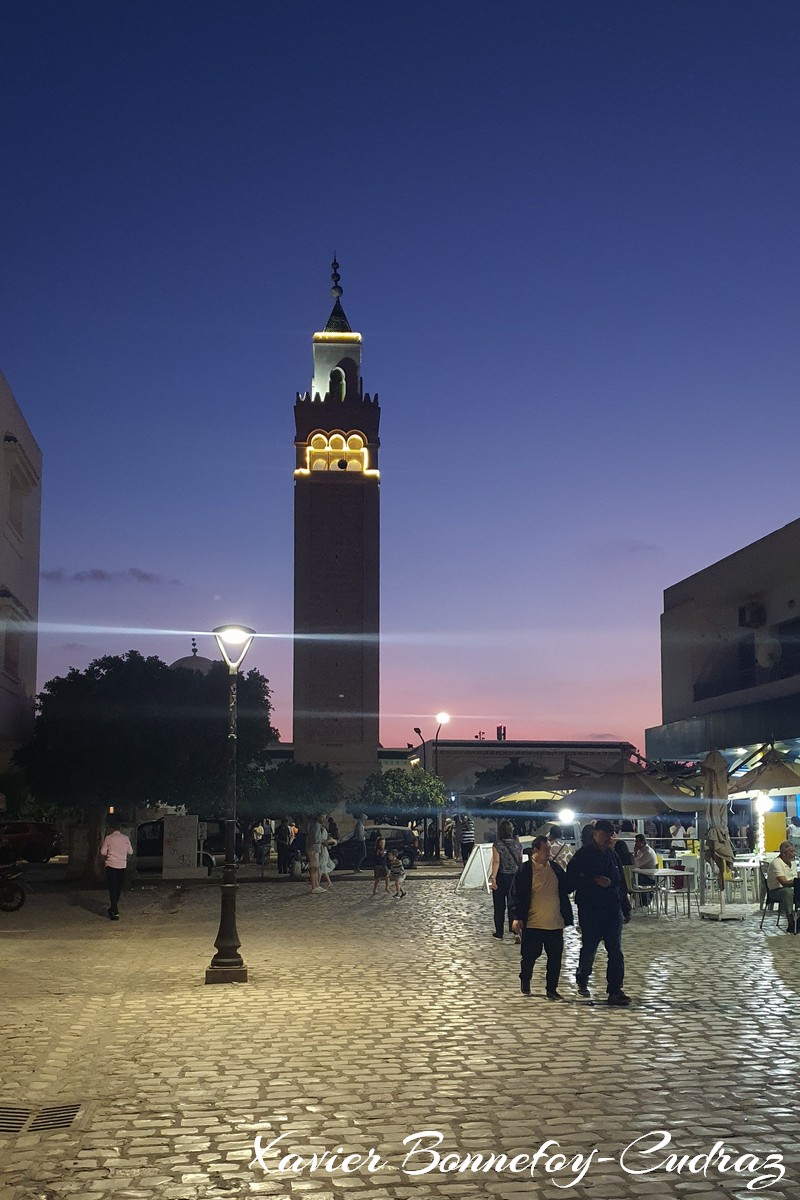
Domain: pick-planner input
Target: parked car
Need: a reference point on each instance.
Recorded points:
(150, 844)
(35, 841)
(397, 837)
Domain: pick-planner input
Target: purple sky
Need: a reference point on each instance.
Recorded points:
(568, 232)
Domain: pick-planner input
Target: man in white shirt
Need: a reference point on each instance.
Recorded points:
(115, 851)
(781, 883)
(644, 858)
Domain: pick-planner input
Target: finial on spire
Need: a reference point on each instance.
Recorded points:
(194, 647)
(335, 290)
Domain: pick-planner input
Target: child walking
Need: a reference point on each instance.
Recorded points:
(381, 870)
(396, 874)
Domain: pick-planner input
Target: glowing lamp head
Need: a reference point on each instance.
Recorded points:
(443, 718)
(764, 803)
(233, 638)
(566, 816)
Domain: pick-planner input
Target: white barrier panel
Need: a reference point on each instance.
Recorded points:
(475, 876)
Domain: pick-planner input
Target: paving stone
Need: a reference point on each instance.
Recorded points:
(360, 1027)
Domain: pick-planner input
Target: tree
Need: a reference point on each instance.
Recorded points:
(398, 795)
(131, 731)
(299, 789)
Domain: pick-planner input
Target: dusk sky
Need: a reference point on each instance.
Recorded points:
(568, 233)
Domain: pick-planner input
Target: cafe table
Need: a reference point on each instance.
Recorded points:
(662, 889)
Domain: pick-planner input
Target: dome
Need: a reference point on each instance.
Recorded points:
(193, 662)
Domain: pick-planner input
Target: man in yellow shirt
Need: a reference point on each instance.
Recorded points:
(540, 909)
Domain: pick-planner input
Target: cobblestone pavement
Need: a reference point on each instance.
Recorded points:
(367, 1020)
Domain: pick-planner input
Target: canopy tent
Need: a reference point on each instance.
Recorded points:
(628, 790)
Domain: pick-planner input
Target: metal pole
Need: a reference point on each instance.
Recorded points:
(437, 839)
(227, 965)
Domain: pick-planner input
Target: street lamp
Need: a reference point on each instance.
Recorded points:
(227, 965)
(443, 719)
(418, 732)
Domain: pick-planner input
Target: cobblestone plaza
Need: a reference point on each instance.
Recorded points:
(368, 1020)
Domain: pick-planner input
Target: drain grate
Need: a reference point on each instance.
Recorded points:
(60, 1116)
(13, 1119)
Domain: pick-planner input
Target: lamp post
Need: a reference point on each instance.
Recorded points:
(418, 732)
(227, 965)
(442, 719)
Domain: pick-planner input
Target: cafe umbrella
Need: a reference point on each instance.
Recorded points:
(773, 776)
(717, 847)
(628, 790)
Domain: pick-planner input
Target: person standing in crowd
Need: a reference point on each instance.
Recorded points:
(283, 838)
(326, 863)
(467, 836)
(540, 909)
(587, 835)
(333, 828)
(257, 839)
(115, 852)
(678, 834)
(560, 852)
(381, 868)
(316, 833)
(267, 839)
(506, 861)
(594, 874)
(447, 838)
(359, 843)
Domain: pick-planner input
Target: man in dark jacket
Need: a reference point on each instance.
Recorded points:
(596, 877)
(539, 909)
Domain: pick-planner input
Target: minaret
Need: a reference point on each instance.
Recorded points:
(337, 558)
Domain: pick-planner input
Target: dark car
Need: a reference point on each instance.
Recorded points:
(211, 852)
(35, 841)
(397, 838)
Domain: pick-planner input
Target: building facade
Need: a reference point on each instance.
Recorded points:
(730, 653)
(20, 517)
(337, 558)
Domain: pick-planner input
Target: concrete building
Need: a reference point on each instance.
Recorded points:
(460, 761)
(20, 516)
(337, 558)
(730, 653)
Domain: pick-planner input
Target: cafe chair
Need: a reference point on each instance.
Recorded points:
(636, 892)
(767, 905)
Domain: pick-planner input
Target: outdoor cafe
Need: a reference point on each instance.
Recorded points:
(713, 836)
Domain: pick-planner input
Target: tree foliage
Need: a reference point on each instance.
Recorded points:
(299, 789)
(494, 782)
(400, 794)
(131, 730)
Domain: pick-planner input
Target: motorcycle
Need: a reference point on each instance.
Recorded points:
(12, 888)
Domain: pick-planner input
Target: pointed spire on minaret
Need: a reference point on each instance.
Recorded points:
(337, 321)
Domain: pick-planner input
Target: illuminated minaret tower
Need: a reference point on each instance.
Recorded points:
(336, 558)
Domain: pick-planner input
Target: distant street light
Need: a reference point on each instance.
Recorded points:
(227, 965)
(418, 732)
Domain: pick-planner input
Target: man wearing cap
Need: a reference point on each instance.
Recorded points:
(595, 875)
